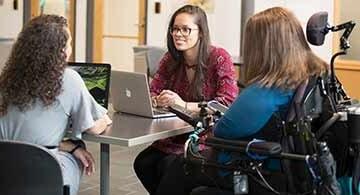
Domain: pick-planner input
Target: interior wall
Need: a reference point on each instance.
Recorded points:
(228, 19)
(349, 10)
(348, 73)
(121, 33)
(10, 19)
(56, 7)
(224, 23)
(347, 67)
(302, 10)
(80, 31)
(11, 23)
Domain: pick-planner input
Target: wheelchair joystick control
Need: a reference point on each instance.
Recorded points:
(204, 116)
(241, 185)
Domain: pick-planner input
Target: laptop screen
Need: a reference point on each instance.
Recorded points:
(97, 79)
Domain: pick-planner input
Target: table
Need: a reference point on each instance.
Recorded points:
(130, 130)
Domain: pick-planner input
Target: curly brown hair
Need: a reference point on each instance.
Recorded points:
(36, 64)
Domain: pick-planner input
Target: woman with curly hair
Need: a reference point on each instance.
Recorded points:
(39, 96)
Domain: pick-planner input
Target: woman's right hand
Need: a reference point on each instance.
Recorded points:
(100, 125)
(169, 98)
(86, 159)
(154, 101)
(107, 119)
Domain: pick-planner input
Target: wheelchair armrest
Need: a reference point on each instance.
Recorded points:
(261, 148)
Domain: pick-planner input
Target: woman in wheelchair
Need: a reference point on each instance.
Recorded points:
(277, 59)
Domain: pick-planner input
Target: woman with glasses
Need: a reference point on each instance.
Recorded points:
(191, 71)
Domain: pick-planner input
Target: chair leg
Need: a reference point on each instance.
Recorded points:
(66, 190)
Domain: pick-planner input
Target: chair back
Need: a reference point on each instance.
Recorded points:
(29, 169)
(153, 57)
(147, 59)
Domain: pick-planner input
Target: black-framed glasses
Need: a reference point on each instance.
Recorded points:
(185, 31)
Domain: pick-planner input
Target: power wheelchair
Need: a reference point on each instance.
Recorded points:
(318, 142)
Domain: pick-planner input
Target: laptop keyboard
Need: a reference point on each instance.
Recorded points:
(157, 111)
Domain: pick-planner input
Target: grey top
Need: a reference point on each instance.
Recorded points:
(47, 125)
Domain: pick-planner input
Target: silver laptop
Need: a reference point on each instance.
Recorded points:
(130, 94)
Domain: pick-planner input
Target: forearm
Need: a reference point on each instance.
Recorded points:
(66, 146)
(192, 107)
(100, 125)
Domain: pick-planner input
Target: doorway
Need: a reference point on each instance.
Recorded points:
(123, 28)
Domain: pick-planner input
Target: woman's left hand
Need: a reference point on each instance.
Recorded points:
(168, 98)
(86, 159)
(80, 153)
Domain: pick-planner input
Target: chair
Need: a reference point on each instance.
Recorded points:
(147, 58)
(307, 163)
(153, 57)
(29, 169)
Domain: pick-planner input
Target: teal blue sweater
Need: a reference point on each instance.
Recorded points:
(250, 112)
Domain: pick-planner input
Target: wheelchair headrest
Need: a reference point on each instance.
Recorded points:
(316, 28)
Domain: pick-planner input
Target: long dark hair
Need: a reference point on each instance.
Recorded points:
(200, 19)
(36, 64)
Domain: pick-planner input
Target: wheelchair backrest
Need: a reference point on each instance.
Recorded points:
(310, 112)
(307, 100)
(318, 108)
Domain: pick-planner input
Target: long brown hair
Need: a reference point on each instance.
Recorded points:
(36, 64)
(200, 20)
(276, 53)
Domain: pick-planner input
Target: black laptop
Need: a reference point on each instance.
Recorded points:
(97, 79)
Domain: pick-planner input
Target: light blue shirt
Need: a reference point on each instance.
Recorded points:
(47, 125)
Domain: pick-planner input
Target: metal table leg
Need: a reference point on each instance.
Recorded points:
(104, 169)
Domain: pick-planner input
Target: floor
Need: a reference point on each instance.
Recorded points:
(123, 180)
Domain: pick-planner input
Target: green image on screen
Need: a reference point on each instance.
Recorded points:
(95, 78)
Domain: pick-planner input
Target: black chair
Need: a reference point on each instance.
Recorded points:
(29, 169)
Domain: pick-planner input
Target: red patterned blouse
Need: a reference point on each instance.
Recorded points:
(219, 85)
